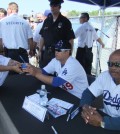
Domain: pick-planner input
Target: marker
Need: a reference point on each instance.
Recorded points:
(55, 132)
(22, 59)
(75, 112)
(69, 112)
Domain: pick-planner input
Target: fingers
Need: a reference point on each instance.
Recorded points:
(85, 117)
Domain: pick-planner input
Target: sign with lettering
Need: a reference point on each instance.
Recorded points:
(35, 109)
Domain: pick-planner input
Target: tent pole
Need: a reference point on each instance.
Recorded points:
(99, 46)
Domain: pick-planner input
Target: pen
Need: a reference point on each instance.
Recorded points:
(55, 132)
(22, 58)
(69, 112)
(75, 112)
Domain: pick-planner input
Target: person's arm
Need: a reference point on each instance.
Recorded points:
(1, 47)
(41, 75)
(111, 123)
(100, 41)
(32, 47)
(87, 98)
(12, 66)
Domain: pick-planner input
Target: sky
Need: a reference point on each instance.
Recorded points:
(27, 6)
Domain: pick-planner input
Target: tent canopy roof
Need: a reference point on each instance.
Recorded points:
(101, 3)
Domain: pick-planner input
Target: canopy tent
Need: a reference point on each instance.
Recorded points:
(103, 4)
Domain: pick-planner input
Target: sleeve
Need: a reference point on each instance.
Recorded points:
(29, 31)
(87, 98)
(57, 81)
(96, 88)
(78, 32)
(95, 34)
(112, 123)
(69, 31)
(36, 35)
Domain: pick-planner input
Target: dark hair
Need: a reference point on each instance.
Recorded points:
(2, 10)
(85, 15)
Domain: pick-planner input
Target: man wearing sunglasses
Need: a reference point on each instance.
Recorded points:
(69, 74)
(56, 27)
(108, 84)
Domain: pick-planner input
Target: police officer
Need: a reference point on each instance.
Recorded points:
(56, 27)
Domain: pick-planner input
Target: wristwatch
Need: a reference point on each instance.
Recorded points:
(102, 124)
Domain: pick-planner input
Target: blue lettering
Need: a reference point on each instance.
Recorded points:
(112, 101)
(14, 23)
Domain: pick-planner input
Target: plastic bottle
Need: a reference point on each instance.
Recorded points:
(43, 96)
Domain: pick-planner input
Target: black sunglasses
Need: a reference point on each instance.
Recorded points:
(61, 50)
(111, 64)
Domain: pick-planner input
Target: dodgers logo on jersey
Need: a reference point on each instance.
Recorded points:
(64, 71)
(110, 100)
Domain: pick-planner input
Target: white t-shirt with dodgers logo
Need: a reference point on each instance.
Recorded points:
(72, 72)
(105, 85)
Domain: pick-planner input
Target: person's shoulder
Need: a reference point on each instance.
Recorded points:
(4, 19)
(65, 18)
(105, 73)
(73, 61)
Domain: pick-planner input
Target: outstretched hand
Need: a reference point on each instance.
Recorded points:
(32, 70)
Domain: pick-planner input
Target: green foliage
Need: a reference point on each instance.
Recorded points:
(75, 13)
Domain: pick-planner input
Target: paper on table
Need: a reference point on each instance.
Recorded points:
(35, 98)
(60, 103)
(36, 110)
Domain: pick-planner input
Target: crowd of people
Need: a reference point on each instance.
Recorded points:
(53, 39)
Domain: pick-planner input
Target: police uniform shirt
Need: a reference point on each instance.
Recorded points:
(72, 72)
(3, 61)
(105, 85)
(52, 32)
(86, 34)
(15, 32)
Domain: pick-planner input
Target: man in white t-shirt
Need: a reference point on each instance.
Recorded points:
(69, 74)
(108, 84)
(16, 35)
(86, 35)
(37, 36)
(6, 65)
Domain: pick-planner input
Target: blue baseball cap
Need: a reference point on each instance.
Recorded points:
(47, 12)
(63, 44)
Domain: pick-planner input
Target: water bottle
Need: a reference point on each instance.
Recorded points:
(43, 96)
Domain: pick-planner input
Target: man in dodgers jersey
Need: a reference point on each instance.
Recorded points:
(108, 84)
(70, 75)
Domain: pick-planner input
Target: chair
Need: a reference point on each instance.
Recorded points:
(90, 78)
